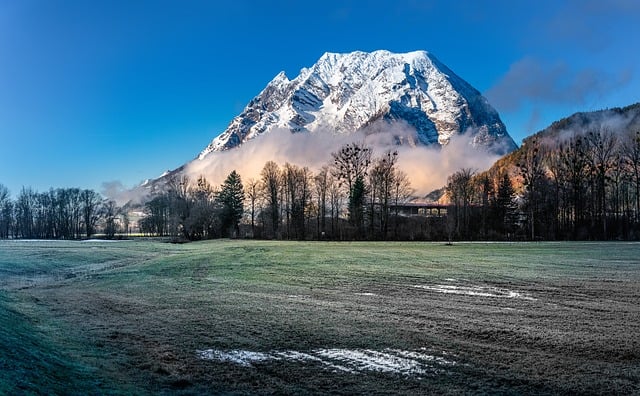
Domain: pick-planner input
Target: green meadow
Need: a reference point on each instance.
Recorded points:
(264, 317)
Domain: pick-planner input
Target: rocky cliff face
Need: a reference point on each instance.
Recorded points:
(344, 93)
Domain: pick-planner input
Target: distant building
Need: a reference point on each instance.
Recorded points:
(409, 209)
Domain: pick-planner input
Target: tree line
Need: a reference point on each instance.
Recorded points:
(195, 211)
(585, 187)
(349, 198)
(63, 213)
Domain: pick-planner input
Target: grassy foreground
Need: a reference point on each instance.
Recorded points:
(304, 318)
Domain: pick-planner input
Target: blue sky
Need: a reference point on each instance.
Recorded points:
(100, 91)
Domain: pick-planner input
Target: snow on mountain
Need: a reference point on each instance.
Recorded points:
(344, 93)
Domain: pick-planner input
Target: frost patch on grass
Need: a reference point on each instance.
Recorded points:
(387, 361)
(310, 357)
(393, 361)
(480, 291)
(100, 241)
(298, 296)
(242, 358)
(423, 356)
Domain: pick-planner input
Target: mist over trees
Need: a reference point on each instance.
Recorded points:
(350, 198)
(583, 186)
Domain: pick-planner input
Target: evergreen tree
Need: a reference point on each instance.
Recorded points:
(357, 197)
(350, 166)
(231, 198)
(504, 207)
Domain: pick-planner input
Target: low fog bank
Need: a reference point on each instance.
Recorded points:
(427, 167)
(116, 191)
(621, 122)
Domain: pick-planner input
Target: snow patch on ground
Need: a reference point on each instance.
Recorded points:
(298, 296)
(100, 241)
(311, 357)
(480, 291)
(394, 361)
(239, 357)
(370, 360)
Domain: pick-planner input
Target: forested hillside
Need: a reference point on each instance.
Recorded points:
(577, 179)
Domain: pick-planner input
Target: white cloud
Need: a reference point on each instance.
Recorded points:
(427, 167)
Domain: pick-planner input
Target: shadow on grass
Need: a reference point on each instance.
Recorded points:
(31, 364)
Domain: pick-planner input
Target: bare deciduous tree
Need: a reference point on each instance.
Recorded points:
(90, 210)
(271, 182)
(350, 166)
(460, 190)
(631, 156)
(252, 191)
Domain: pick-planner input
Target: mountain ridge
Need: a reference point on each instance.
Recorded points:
(618, 120)
(343, 93)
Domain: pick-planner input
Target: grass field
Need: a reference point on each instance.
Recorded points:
(144, 317)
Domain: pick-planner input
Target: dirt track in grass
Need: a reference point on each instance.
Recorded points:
(288, 317)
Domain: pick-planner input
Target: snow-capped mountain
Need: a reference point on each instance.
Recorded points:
(343, 93)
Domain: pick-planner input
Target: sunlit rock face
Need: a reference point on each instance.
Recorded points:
(345, 93)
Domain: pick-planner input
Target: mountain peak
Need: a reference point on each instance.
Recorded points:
(345, 92)
(280, 77)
